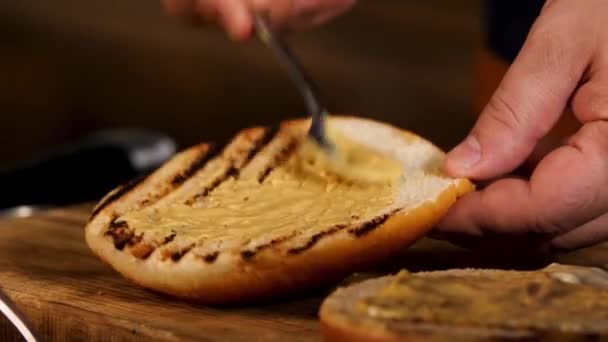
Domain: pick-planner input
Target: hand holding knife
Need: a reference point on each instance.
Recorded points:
(302, 81)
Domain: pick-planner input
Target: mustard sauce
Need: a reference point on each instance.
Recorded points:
(501, 300)
(308, 192)
(351, 161)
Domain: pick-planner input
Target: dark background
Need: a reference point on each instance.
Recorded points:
(69, 68)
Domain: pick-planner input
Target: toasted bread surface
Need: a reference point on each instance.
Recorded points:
(557, 303)
(183, 230)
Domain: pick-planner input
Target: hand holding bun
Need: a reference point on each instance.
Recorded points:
(564, 203)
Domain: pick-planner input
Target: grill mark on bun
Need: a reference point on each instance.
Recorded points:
(125, 188)
(177, 255)
(170, 237)
(269, 135)
(313, 240)
(279, 158)
(233, 170)
(120, 233)
(358, 231)
(135, 240)
(248, 254)
(207, 189)
(205, 154)
(211, 257)
(199, 162)
(213, 152)
(143, 249)
(370, 225)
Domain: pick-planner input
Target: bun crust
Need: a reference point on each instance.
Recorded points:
(557, 303)
(233, 275)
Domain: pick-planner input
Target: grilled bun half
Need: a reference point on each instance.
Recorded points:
(263, 216)
(557, 303)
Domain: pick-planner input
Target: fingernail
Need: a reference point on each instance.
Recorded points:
(466, 155)
(239, 24)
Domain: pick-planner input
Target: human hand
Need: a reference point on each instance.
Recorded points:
(563, 205)
(234, 16)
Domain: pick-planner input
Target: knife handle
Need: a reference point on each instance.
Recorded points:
(85, 170)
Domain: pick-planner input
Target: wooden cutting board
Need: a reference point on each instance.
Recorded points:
(67, 294)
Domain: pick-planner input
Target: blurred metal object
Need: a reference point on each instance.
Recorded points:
(81, 171)
(9, 310)
(304, 84)
(24, 211)
(145, 149)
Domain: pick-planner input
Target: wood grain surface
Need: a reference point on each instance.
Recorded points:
(68, 295)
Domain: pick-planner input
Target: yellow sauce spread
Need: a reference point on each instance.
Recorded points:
(350, 161)
(505, 299)
(302, 194)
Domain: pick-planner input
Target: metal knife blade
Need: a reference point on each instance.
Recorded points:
(14, 316)
(302, 81)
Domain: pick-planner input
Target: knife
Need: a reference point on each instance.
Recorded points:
(304, 84)
(15, 317)
(81, 171)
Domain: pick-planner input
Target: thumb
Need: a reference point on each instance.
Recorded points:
(525, 106)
